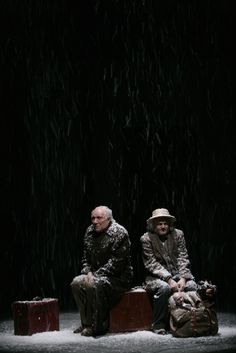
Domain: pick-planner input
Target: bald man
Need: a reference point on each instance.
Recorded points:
(106, 272)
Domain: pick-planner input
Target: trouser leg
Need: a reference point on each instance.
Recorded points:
(190, 286)
(85, 300)
(160, 292)
(160, 307)
(92, 302)
(102, 290)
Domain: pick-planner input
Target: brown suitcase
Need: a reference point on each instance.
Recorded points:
(35, 316)
(132, 313)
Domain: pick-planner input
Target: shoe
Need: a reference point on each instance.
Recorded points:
(87, 331)
(160, 331)
(101, 333)
(78, 330)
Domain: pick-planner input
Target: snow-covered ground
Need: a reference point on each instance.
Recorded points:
(65, 341)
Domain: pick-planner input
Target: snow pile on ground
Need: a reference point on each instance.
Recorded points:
(133, 342)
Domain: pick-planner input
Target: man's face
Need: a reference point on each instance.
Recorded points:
(162, 227)
(99, 219)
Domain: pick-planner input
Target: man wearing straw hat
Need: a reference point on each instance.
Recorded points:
(166, 263)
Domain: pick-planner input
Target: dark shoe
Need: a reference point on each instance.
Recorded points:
(78, 330)
(101, 333)
(87, 331)
(160, 331)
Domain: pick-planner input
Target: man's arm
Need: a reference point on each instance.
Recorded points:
(86, 266)
(183, 259)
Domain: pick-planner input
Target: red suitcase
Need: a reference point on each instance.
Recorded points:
(132, 313)
(35, 316)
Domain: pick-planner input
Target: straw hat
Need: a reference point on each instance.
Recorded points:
(161, 213)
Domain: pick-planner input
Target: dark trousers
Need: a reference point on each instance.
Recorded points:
(91, 300)
(160, 292)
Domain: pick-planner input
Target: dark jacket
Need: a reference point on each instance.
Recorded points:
(108, 254)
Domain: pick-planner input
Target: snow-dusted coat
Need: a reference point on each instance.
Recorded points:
(107, 254)
(166, 259)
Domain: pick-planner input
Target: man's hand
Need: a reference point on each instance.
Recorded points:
(181, 284)
(173, 285)
(89, 277)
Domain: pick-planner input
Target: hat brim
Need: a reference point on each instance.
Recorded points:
(171, 218)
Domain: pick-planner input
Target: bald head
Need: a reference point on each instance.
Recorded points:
(101, 218)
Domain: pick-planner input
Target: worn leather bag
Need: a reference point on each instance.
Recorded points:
(190, 316)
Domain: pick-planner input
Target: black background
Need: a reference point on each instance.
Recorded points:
(115, 102)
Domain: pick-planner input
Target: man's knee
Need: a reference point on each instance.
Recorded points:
(191, 286)
(164, 290)
(80, 282)
(158, 288)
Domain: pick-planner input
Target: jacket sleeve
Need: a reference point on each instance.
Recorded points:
(150, 262)
(86, 267)
(183, 259)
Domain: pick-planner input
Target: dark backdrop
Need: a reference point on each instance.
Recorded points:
(117, 102)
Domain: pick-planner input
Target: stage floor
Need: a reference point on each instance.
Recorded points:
(65, 341)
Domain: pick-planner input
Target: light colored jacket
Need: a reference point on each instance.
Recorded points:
(168, 259)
